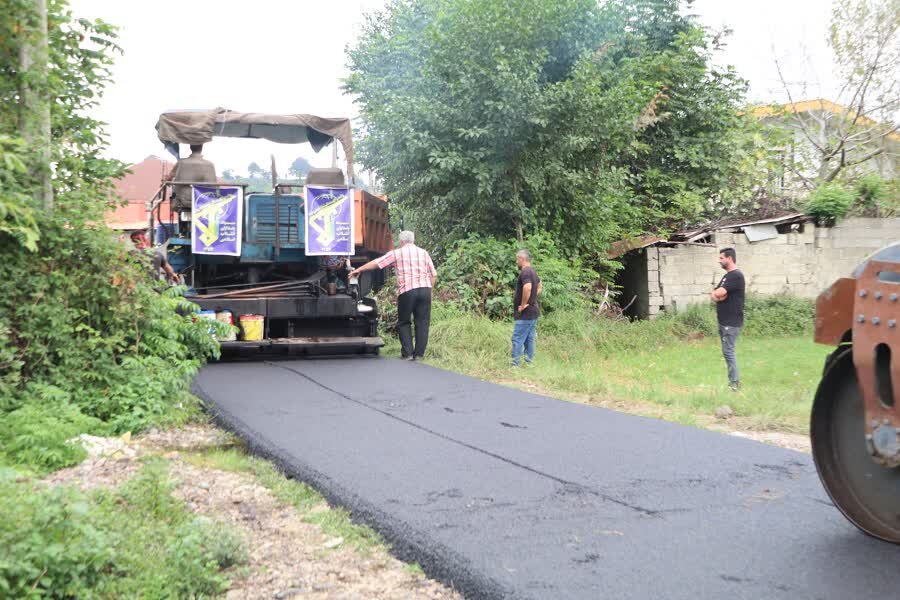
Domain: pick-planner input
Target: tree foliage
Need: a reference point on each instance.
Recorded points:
(589, 122)
(479, 275)
(299, 168)
(87, 341)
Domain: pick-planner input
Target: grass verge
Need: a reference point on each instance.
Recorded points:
(671, 368)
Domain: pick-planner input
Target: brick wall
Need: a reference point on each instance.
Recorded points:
(801, 263)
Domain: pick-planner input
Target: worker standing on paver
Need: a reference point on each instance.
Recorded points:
(729, 299)
(527, 309)
(415, 279)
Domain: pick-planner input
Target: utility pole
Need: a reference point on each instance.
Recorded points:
(34, 113)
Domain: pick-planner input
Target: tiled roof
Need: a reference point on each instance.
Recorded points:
(137, 187)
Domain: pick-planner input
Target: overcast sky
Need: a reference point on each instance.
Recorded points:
(288, 56)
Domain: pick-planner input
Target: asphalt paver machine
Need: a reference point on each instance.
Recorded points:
(274, 280)
(855, 427)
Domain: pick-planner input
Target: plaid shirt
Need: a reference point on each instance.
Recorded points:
(413, 265)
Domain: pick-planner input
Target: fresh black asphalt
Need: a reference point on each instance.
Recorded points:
(506, 494)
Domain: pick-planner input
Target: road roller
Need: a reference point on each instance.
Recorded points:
(855, 424)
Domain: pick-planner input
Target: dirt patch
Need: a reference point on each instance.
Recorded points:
(288, 557)
(791, 441)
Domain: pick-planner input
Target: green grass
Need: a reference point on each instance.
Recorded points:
(138, 541)
(335, 522)
(671, 364)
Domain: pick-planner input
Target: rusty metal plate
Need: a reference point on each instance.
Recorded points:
(834, 312)
(876, 322)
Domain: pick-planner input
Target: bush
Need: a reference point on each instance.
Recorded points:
(829, 202)
(870, 191)
(88, 343)
(38, 433)
(697, 319)
(781, 315)
(479, 275)
(386, 298)
(50, 546)
(137, 542)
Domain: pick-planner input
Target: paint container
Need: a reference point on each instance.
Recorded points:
(252, 327)
(227, 317)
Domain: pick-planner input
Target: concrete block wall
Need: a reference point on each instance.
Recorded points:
(800, 263)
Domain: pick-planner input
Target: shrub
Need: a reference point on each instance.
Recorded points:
(697, 319)
(829, 202)
(50, 546)
(38, 433)
(781, 315)
(479, 275)
(84, 331)
(136, 542)
(870, 190)
(386, 298)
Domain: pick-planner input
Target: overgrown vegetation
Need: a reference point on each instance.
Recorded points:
(869, 196)
(589, 122)
(479, 275)
(829, 202)
(88, 342)
(135, 542)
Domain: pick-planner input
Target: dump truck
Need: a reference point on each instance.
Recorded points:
(855, 424)
(275, 264)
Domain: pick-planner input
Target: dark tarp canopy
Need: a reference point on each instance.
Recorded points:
(201, 126)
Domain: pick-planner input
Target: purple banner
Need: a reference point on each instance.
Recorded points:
(217, 220)
(329, 221)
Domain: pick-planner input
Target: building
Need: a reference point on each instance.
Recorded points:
(782, 254)
(136, 188)
(816, 129)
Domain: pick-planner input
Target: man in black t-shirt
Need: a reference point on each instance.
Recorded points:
(527, 310)
(729, 299)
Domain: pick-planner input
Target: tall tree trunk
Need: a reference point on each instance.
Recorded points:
(519, 217)
(34, 113)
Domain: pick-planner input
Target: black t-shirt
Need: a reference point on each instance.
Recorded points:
(527, 275)
(731, 310)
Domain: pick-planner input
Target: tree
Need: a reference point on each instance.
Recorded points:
(87, 342)
(254, 169)
(34, 99)
(509, 118)
(858, 125)
(299, 168)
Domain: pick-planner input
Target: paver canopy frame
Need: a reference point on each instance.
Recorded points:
(201, 126)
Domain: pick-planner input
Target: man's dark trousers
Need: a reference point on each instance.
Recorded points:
(414, 303)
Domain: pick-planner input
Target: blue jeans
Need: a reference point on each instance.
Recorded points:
(729, 336)
(523, 335)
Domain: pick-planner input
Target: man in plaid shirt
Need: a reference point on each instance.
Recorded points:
(415, 279)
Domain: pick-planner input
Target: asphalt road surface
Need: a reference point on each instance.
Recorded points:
(505, 494)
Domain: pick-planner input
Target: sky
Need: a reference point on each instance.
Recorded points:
(277, 56)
